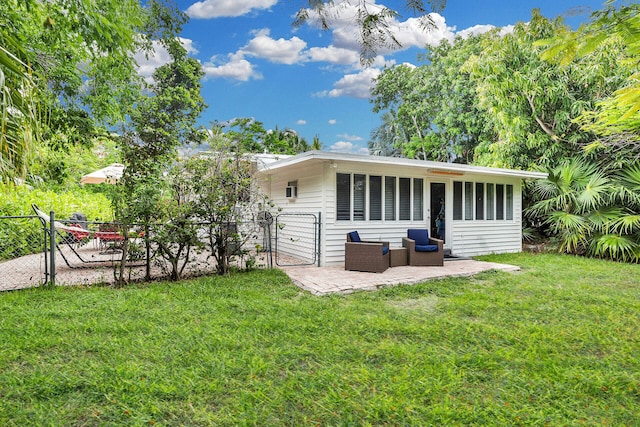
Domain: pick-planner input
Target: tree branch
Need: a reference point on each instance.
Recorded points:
(542, 124)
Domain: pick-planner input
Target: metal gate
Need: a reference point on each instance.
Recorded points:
(297, 240)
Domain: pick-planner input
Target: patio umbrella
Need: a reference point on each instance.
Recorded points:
(108, 175)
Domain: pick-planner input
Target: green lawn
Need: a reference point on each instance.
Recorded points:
(555, 344)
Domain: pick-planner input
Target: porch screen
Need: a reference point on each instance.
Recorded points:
(389, 198)
(359, 190)
(418, 204)
(343, 196)
(405, 199)
(509, 202)
(499, 201)
(375, 198)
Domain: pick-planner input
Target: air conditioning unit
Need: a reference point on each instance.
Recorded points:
(292, 190)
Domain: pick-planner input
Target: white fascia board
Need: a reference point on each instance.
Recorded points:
(428, 166)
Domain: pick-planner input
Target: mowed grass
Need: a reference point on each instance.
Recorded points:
(554, 344)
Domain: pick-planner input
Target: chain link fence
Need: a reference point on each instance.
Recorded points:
(23, 261)
(88, 253)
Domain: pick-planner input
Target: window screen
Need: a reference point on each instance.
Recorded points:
(479, 200)
(490, 201)
(405, 198)
(457, 200)
(389, 198)
(509, 202)
(418, 194)
(499, 201)
(343, 196)
(375, 198)
(468, 200)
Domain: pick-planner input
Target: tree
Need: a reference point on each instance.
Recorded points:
(374, 21)
(388, 138)
(59, 59)
(161, 121)
(226, 200)
(616, 118)
(533, 104)
(435, 105)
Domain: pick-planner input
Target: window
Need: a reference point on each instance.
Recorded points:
(405, 199)
(468, 200)
(492, 201)
(479, 200)
(360, 198)
(489, 201)
(499, 201)
(390, 198)
(509, 202)
(343, 196)
(375, 198)
(292, 189)
(457, 200)
(418, 204)
(359, 191)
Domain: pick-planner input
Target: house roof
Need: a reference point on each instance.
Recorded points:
(436, 168)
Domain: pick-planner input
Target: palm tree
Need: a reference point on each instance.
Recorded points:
(19, 109)
(591, 211)
(388, 138)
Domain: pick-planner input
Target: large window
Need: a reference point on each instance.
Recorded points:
(360, 197)
(482, 201)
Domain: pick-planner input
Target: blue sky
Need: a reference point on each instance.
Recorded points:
(257, 65)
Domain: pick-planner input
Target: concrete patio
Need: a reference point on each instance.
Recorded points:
(330, 280)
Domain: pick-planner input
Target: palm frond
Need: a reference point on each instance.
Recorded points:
(615, 247)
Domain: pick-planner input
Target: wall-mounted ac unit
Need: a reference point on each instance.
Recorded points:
(292, 190)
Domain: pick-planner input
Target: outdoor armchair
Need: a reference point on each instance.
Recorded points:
(421, 249)
(360, 255)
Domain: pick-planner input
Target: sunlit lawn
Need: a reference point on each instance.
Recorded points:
(554, 344)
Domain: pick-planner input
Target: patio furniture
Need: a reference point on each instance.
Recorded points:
(361, 255)
(397, 257)
(421, 249)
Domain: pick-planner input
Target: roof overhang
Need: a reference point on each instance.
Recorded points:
(430, 167)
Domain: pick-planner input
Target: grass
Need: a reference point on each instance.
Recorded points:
(555, 344)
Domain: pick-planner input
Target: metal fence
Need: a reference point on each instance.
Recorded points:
(297, 240)
(94, 256)
(23, 261)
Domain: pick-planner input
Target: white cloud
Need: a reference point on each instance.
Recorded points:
(350, 137)
(348, 147)
(159, 56)
(342, 147)
(332, 121)
(237, 68)
(217, 8)
(334, 55)
(280, 51)
(354, 85)
(301, 122)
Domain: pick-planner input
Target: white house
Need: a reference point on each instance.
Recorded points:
(381, 197)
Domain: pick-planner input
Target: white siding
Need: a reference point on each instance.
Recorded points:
(296, 234)
(481, 237)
